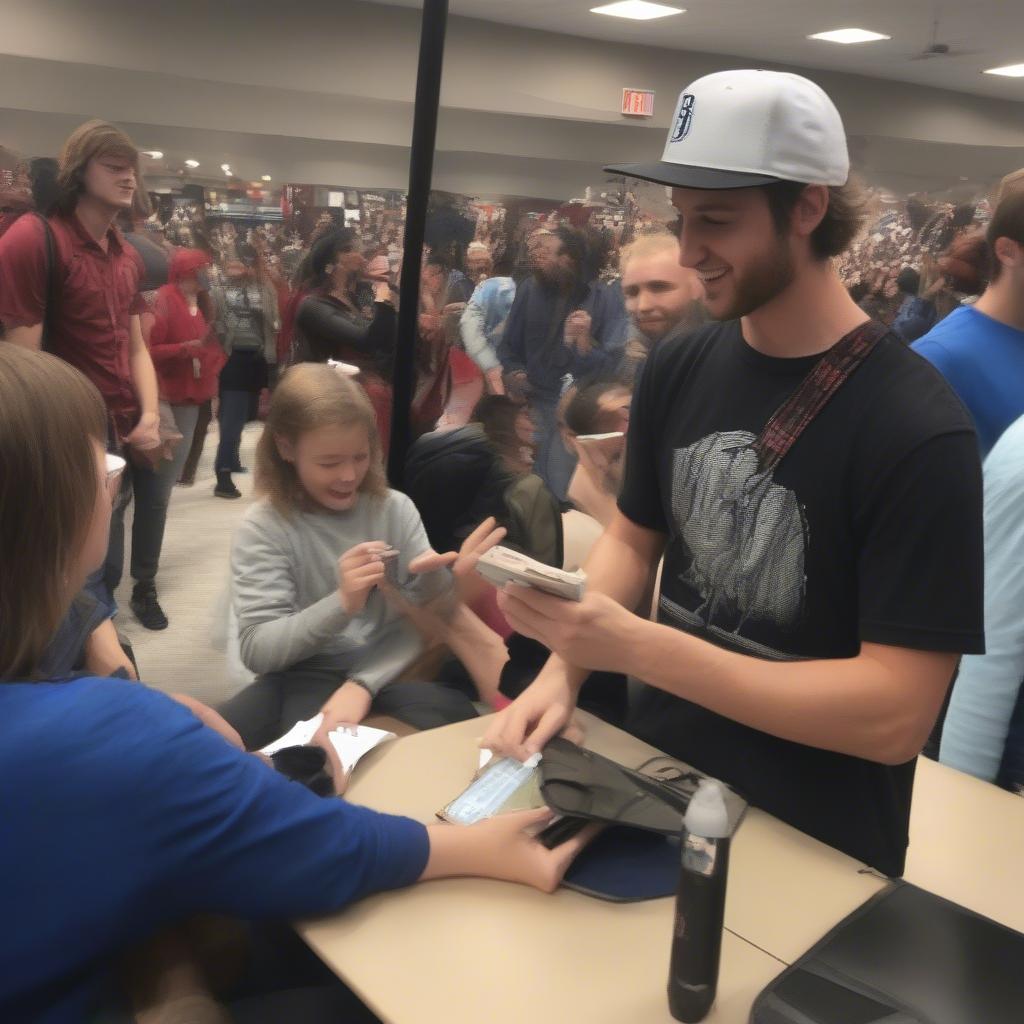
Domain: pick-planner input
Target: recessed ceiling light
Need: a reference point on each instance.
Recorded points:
(1010, 71)
(849, 35)
(153, 154)
(226, 168)
(638, 10)
(192, 163)
(266, 177)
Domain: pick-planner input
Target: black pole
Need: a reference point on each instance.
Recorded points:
(421, 167)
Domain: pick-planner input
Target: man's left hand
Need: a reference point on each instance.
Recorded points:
(146, 434)
(596, 633)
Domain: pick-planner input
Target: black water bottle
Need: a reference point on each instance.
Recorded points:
(700, 905)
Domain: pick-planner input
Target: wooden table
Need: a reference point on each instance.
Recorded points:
(465, 951)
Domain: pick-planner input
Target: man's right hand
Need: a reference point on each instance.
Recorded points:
(537, 715)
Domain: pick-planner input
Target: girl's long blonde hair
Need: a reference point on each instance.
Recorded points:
(309, 396)
(49, 416)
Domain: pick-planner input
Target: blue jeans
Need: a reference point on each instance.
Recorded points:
(554, 463)
(232, 418)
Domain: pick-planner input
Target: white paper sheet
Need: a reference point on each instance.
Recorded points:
(351, 744)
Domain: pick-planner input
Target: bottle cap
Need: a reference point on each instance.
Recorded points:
(707, 814)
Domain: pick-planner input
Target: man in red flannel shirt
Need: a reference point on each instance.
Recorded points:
(93, 322)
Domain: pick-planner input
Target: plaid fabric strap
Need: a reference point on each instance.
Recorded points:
(829, 374)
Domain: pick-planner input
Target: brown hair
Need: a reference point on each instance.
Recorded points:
(88, 141)
(1011, 183)
(49, 413)
(966, 264)
(843, 220)
(309, 396)
(1007, 222)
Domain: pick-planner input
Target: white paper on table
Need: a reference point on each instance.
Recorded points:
(297, 736)
(351, 744)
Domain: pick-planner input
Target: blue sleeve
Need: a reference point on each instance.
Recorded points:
(219, 830)
(915, 319)
(609, 326)
(986, 690)
(512, 347)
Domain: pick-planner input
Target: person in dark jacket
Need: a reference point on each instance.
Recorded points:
(917, 314)
(563, 323)
(331, 325)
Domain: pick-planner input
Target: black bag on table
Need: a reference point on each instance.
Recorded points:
(905, 957)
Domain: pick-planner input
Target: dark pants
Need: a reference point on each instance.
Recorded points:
(151, 489)
(233, 416)
(283, 981)
(188, 470)
(269, 707)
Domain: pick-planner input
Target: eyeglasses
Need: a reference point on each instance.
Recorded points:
(115, 467)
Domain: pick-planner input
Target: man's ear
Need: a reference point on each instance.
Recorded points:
(284, 448)
(809, 210)
(1008, 252)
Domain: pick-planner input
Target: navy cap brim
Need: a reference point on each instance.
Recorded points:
(662, 172)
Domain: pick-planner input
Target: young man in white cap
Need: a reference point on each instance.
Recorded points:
(814, 487)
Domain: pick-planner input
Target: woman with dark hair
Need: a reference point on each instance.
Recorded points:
(330, 324)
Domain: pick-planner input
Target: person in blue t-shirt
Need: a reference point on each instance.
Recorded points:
(979, 349)
(122, 813)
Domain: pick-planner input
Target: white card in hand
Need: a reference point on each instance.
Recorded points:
(297, 736)
(351, 744)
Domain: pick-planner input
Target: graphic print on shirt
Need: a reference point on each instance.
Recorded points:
(744, 541)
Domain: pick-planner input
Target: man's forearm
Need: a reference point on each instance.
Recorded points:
(616, 568)
(143, 373)
(864, 706)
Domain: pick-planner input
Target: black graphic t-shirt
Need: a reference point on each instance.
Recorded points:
(868, 530)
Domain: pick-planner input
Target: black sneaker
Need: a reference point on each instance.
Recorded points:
(147, 608)
(225, 487)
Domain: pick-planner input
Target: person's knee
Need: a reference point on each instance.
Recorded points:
(424, 705)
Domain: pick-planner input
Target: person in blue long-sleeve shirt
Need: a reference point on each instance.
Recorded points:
(982, 734)
(979, 349)
(122, 812)
(563, 323)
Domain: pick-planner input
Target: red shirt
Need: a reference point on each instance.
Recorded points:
(98, 295)
(175, 362)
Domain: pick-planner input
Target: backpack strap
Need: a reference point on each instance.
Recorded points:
(828, 375)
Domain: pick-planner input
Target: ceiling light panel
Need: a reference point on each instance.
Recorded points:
(637, 10)
(846, 36)
(1009, 71)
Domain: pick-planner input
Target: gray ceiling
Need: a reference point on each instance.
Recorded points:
(981, 33)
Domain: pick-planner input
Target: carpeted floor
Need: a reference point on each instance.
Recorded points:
(191, 583)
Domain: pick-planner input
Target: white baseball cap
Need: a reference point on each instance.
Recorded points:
(734, 129)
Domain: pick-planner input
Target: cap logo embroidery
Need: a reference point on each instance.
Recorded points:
(684, 118)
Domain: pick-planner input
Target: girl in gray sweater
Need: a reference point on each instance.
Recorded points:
(308, 564)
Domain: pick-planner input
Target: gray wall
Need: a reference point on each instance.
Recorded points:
(313, 91)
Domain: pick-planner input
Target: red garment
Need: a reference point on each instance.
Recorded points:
(174, 325)
(98, 297)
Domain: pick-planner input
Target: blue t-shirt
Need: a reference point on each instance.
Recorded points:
(983, 360)
(120, 813)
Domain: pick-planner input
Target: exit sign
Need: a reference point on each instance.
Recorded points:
(638, 102)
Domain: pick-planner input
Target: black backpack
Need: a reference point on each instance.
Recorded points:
(456, 480)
